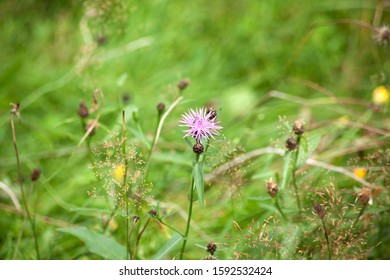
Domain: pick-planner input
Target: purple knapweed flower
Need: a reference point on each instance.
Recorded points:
(201, 124)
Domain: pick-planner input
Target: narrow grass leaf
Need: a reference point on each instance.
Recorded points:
(97, 243)
(168, 247)
(287, 169)
(308, 144)
(199, 181)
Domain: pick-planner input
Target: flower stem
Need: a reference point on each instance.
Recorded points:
(30, 219)
(327, 239)
(294, 177)
(127, 193)
(139, 238)
(188, 219)
(279, 208)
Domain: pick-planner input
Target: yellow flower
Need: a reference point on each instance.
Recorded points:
(380, 95)
(344, 120)
(360, 172)
(119, 172)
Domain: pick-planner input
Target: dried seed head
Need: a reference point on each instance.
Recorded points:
(83, 110)
(15, 108)
(365, 196)
(382, 35)
(35, 174)
(211, 113)
(183, 84)
(126, 97)
(298, 128)
(135, 219)
(152, 213)
(272, 187)
(160, 108)
(101, 40)
(320, 211)
(198, 148)
(211, 248)
(291, 144)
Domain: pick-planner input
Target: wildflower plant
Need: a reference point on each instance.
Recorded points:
(201, 126)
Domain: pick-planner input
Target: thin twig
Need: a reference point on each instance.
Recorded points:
(270, 150)
(139, 238)
(20, 179)
(164, 116)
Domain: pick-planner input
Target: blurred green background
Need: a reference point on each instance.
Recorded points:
(55, 54)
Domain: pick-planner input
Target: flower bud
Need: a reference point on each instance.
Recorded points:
(83, 110)
(211, 248)
(35, 174)
(160, 108)
(364, 196)
(272, 187)
(383, 35)
(320, 211)
(298, 128)
(183, 84)
(291, 144)
(198, 148)
(211, 113)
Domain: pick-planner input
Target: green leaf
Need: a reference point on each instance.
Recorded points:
(199, 181)
(188, 142)
(176, 158)
(308, 144)
(97, 243)
(168, 247)
(287, 168)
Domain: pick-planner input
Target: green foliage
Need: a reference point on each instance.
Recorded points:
(98, 244)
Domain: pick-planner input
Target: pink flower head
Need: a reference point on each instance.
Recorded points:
(200, 123)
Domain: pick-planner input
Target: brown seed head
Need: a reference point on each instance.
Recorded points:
(101, 40)
(198, 148)
(35, 174)
(160, 108)
(15, 108)
(291, 144)
(364, 195)
(183, 84)
(320, 211)
(126, 97)
(298, 128)
(272, 187)
(153, 213)
(211, 248)
(383, 35)
(83, 110)
(212, 112)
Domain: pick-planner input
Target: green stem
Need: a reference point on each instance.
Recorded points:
(188, 220)
(30, 219)
(294, 177)
(139, 238)
(170, 227)
(279, 208)
(154, 142)
(327, 239)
